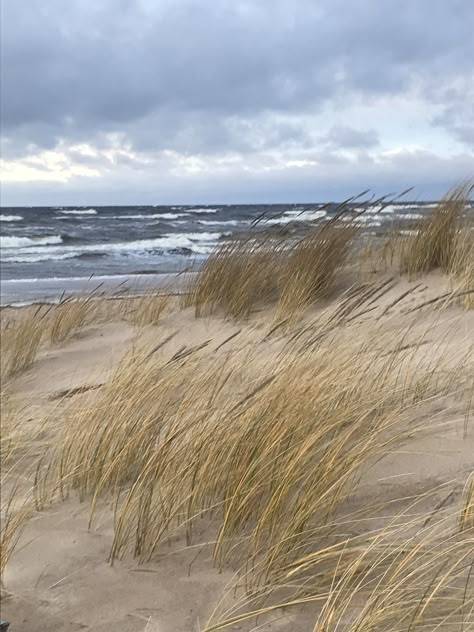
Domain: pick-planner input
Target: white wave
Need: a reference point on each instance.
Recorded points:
(27, 242)
(37, 258)
(216, 222)
(150, 216)
(389, 208)
(301, 213)
(169, 215)
(10, 218)
(89, 211)
(411, 216)
(201, 210)
(198, 236)
(296, 216)
(199, 243)
(366, 220)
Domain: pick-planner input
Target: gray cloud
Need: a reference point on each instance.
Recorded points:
(457, 113)
(347, 137)
(243, 81)
(178, 74)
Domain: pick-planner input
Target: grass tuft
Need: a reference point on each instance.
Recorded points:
(20, 341)
(147, 309)
(261, 268)
(435, 242)
(69, 316)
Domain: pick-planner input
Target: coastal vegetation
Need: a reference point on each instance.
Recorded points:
(286, 419)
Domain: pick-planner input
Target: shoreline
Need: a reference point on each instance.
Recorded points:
(23, 292)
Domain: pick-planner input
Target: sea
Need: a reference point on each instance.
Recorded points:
(49, 252)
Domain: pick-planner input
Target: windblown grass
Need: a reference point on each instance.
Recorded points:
(442, 240)
(147, 309)
(436, 242)
(408, 575)
(254, 449)
(259, 453)
(11, 431)
(16, 510)
(261, 268)
(22, 335)
(20, 341)
(69, 316)
(461, 268)
(16, 497)
(467, 512)
(240, 275)
(311, 267)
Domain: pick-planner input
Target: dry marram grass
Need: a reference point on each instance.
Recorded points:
(260, 454)
(20, 342)
(68, 317)
(261, 268)
(147, 309)
(433, 243)
(253, 449)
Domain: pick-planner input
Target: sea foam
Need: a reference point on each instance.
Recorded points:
(10, 218)
(27, 242)
(88, 211)
(26, 250)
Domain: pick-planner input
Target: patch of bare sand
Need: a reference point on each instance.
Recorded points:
(60, 578)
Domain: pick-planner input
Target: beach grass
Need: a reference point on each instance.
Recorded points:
(292, 273)
(255, 446)
(69, 316)
(437, 239)
(312, 265)
(261, 268)
(17, 449)
(260, 452)
(240, 275)
(20, 341)
(146, 309)
(461, 269)
(467, 511)
(405, 576)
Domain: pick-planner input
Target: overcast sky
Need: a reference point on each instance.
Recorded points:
(186, 101)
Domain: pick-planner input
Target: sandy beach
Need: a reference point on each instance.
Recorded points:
(361, 406)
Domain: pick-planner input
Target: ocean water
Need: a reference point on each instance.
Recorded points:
(50, 250)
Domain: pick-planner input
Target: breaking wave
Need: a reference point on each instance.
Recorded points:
(88, 211)
(27, 242)
(296, 216)
(149, 216)
(26, 250)
(201, 210)
(10, 218)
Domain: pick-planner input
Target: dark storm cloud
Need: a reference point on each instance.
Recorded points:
(197, 75)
